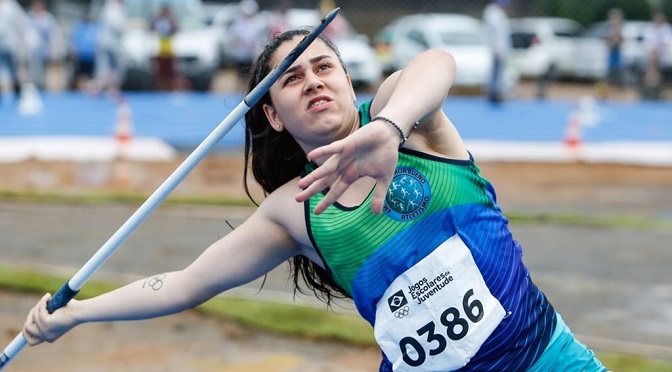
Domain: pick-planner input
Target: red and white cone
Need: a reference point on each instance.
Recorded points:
(123, 128)
(123, 135)
(573, 137)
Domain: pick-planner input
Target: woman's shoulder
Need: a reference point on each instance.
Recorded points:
(281, 207)
(281, 203)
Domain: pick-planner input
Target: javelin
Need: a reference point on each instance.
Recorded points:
(72, 286)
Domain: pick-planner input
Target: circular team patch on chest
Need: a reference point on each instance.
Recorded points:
(408, 195)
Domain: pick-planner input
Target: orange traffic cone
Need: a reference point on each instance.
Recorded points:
(123, 129)
(573, 138)
(123, 135)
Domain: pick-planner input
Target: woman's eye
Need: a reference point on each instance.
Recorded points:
(324, 66)
(291, 79)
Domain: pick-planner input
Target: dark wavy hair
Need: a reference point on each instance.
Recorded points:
(275, 158)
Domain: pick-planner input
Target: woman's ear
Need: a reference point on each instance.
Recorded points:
(352, 89)
(273, 117)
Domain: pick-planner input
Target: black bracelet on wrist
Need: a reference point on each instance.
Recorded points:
(397, 127)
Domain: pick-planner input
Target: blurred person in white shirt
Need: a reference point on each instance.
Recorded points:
(248, 31)
(658, 41)
(109, 65)
(279, 22)
(614, 42)
(49, 45)
(499, 41)
(15, 34)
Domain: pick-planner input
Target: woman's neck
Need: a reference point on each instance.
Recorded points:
(351, 122)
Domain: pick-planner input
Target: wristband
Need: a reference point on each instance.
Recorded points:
(397, 127)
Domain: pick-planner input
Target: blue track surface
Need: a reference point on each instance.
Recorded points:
(185, 119)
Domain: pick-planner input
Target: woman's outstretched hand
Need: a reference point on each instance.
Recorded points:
(41, 326)
(370, 151)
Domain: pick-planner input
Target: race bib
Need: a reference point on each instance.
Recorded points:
(437, 314)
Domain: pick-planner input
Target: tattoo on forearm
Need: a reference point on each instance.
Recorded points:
(155, 282)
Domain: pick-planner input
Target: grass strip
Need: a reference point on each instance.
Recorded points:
(588, 220)
(600, 221)
(279, 318)
(116, 197)
(284, 319)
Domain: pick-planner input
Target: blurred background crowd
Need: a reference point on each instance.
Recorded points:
(611, 46)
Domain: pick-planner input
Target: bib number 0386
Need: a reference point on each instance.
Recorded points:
(456, 328)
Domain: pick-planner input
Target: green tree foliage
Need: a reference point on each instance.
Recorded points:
(587, 12)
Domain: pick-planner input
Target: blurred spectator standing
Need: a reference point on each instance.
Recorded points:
(499, 41)
(166, 26)
(658, 41)
(337, 28)
(279, 21)
(14, 35)
(47, 47)
(83, 43)
(109, 68)
(247, 30)
(614, 42)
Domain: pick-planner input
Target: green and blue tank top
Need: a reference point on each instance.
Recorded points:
(437, 274)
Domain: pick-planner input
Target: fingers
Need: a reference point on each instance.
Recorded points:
(42, 313)
(349, 160)
(330, 165)
(321, 175)
(331, 176)
(313, 189)
(379, 194)
(335, 192)
(318, 180)
(32, 328)
(326, 151)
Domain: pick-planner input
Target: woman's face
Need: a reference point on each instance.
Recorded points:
(314, 98)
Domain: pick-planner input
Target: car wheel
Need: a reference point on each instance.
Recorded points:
(201, 82)
(137, 79)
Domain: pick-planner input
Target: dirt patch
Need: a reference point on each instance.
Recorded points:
(582, 188)
(559, 187)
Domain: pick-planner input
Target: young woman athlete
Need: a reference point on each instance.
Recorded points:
(380, 203)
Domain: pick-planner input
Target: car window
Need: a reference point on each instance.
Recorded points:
(566, 30)
(462, 37)
(522, 40)
(418, 37)
(384, 36)
(566, 33)
(597, 30)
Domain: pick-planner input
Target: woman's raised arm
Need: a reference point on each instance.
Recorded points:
(412, 95)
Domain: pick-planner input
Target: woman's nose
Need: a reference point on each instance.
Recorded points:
(312, 82)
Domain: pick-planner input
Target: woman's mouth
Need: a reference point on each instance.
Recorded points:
(317, 102)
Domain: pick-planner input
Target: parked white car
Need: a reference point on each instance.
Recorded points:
(461, 35)
(546, 46)
(195, 44)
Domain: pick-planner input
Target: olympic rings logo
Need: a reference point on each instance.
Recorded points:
(402, 312)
